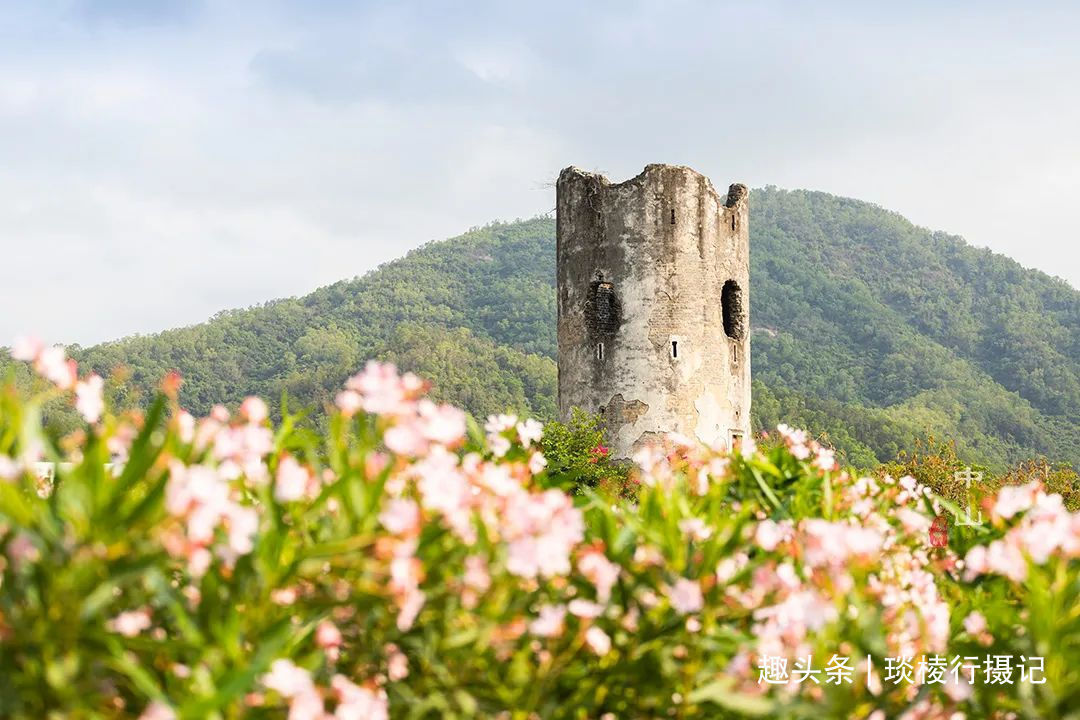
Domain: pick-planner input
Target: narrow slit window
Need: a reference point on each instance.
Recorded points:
(599, 351)
(675, 348)
(732, 222)
(672, 216)
(735, 354)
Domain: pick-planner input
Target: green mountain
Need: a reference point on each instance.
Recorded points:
(866, 329)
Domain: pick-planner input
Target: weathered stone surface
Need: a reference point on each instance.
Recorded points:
(646, 269)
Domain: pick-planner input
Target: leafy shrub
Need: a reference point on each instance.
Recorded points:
(936, 465)
(404, 563)
(578, 457)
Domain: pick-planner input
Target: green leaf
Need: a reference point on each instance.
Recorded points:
(719, 693)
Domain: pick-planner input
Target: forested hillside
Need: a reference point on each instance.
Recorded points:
(865, 328)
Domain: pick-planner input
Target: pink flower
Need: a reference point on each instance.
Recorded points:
(9, 469)
(1013, 500)
(543, 529)
(443, 488)
(649, 458)
(826, 458)
(130, 623)
(1006, 559)
(410, 608)
(957, 688)
(975, 623)
(537, 463)
(185, 426)
(21, 550)
(770, 534)
(292, 480)
(406, 438)
(158, 710)
(728, 567)
(585, 609)
(199, 561)
(287, 679)
(53, 365)
(476, 575)
(495, 426)
(27, 348)
(243, 524)
(307, 705)
(442, 424)
(397, 665)
(915, 523)
(382, 391)
(498, 479)
(790, 435)
(529, 432)
(686, 597)
(327, 635)
(358, 703)
(833, 543)
(695, 528)
(254, 410)
(499, 445)
(600, 571)
(88, 399)
(348, 402)
(975, 562)
(283, 596)
(499, 423)
(401, 517)
(549, 621)
(598, 640)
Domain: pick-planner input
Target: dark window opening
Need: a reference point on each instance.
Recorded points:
(599, 351)
(731, 307)
(672, 216)
(602, 314)
(674, 348)
(732, 222)
(734, 354)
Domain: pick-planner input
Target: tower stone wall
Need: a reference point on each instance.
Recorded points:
(653, 303)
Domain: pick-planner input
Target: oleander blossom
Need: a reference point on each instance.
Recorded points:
(365, 556)
(131, 622)
(598, 640)
(686, 597)
(600, 571)
(292, 480)
(542, 530)
(158, 710)
(88, 398)
(207, 504)
(1041, 528)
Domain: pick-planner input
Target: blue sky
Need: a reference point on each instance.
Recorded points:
(163, 160)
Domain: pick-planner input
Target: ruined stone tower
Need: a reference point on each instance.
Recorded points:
(653, 281)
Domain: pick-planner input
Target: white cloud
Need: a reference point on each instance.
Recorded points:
(159, 163)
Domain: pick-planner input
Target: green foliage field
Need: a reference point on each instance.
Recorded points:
(867, 330)
(403, 562)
